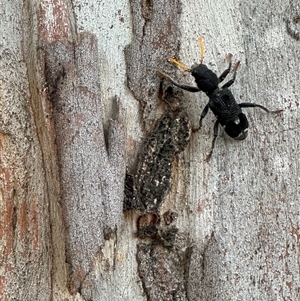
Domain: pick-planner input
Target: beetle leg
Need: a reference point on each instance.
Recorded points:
(184, 87)
(216, 131)
(225, 73)
(229, 83)
(253, 105)
(203, 114)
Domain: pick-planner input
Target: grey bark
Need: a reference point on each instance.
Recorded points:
(80, 99)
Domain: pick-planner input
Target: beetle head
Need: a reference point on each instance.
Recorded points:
(206, 80)
(237, 129)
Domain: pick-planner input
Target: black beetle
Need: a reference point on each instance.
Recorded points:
(221, 101)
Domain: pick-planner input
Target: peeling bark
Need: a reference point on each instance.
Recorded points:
(164, 270)
(155, 37)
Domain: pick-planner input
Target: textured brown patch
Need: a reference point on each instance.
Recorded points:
(54, 23)
(34, 224)
(22, 220)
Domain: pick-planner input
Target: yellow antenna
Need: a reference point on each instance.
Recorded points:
(179, 64)
(202, 49)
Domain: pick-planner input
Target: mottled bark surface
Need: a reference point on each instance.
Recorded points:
(25, 223)
(91, 171)
(90, 156)
(79, 105)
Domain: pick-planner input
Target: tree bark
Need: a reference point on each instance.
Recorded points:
(105, 191)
